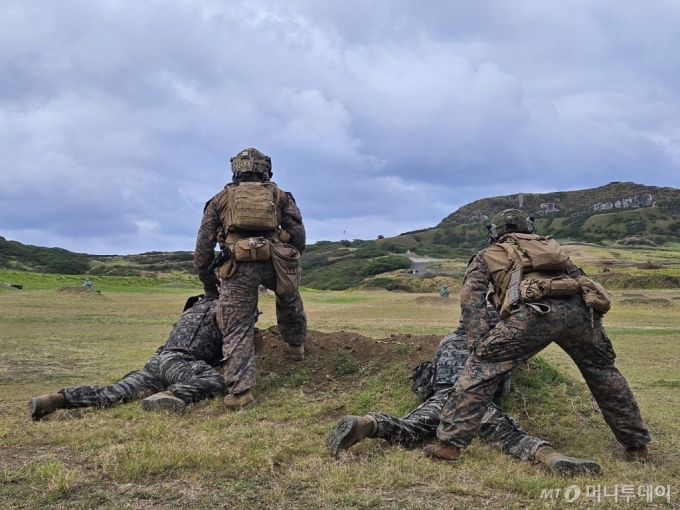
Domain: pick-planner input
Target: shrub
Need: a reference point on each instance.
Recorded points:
(385, 264)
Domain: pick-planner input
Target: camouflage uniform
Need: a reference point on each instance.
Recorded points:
(526, 332)
(182, 365)
(496, 427)
(239, 293)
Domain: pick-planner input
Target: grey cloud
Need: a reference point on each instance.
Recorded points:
(117, 119)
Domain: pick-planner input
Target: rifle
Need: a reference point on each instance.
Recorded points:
(220, 259)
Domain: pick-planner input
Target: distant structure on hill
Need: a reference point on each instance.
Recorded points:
(644, 200)
(610, 197)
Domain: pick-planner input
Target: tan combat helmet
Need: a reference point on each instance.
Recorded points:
(251, 160)
(510, 220)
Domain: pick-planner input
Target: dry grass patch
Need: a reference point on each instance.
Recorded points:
(273, 455)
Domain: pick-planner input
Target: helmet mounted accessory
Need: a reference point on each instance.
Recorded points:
(251, 161)
(509, 220)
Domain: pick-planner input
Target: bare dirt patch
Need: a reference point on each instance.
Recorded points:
(325, 352)
(79, 292)
(438, 300)
(647, 302)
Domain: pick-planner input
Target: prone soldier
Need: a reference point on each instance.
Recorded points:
(181, 371)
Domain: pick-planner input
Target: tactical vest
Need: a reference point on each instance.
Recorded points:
(250, 206)
(197, 332)
(527, 267)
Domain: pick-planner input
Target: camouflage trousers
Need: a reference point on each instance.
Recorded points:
(186, 377)
(497, 428)
(524, 334)
(236, 316)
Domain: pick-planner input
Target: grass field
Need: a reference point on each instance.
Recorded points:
(273, 455)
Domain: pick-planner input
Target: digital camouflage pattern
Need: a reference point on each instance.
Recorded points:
(524, 333)
(452, 352)
(497, 427)
(239, 293)
(211, 232)
(197, 332)
(182, 365)
(179, 372)
(237, 315)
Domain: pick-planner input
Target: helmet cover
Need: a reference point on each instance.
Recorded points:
(509, 220)
(251, 160)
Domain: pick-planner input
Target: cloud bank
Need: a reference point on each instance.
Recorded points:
(118, 118)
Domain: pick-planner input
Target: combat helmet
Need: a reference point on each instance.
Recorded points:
(510, 220)
(251, 160)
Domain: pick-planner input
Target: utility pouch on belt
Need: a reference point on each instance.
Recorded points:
(286, 261)
(595, 295)
(535, 289)
(251, 249)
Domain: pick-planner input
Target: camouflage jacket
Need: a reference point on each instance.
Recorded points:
(197, 332)
(453, 352)
(473, 302)
(211, 232)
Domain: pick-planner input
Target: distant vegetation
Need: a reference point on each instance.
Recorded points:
(337, 266)
(616, 215)
(14, 255)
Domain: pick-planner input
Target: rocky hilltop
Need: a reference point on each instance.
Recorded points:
(610, 197)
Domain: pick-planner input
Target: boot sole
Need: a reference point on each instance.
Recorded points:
(36, 408)
(170, 404)
(341, 437)
(575, 467)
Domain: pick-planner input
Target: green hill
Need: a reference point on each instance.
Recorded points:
(620, 214)
(616, 215)
(623, 213)
(21, 257)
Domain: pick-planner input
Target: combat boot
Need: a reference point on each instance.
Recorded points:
(239, 400)
(45, 404)
(164, 401)
(442, 451)
(636, 454)
(563, 465)
(297, 352)
(349, 431)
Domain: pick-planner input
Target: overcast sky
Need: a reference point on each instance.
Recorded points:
(118, 118)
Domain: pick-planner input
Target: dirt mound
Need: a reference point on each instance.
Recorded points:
(437, 300)
(79, 291)
(334, 357)
(647, 302)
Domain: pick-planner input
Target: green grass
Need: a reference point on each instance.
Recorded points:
(48, 281)
(273, 455)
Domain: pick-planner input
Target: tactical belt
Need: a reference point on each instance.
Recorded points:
(530, 289)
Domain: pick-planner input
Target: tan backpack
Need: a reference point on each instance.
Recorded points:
(535, 253)
(251, 206)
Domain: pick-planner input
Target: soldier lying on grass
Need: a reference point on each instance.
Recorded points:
(497, 427)
(181, 371)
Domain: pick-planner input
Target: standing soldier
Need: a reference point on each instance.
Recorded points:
(181, 371)
(259, 229)
(542, 297)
